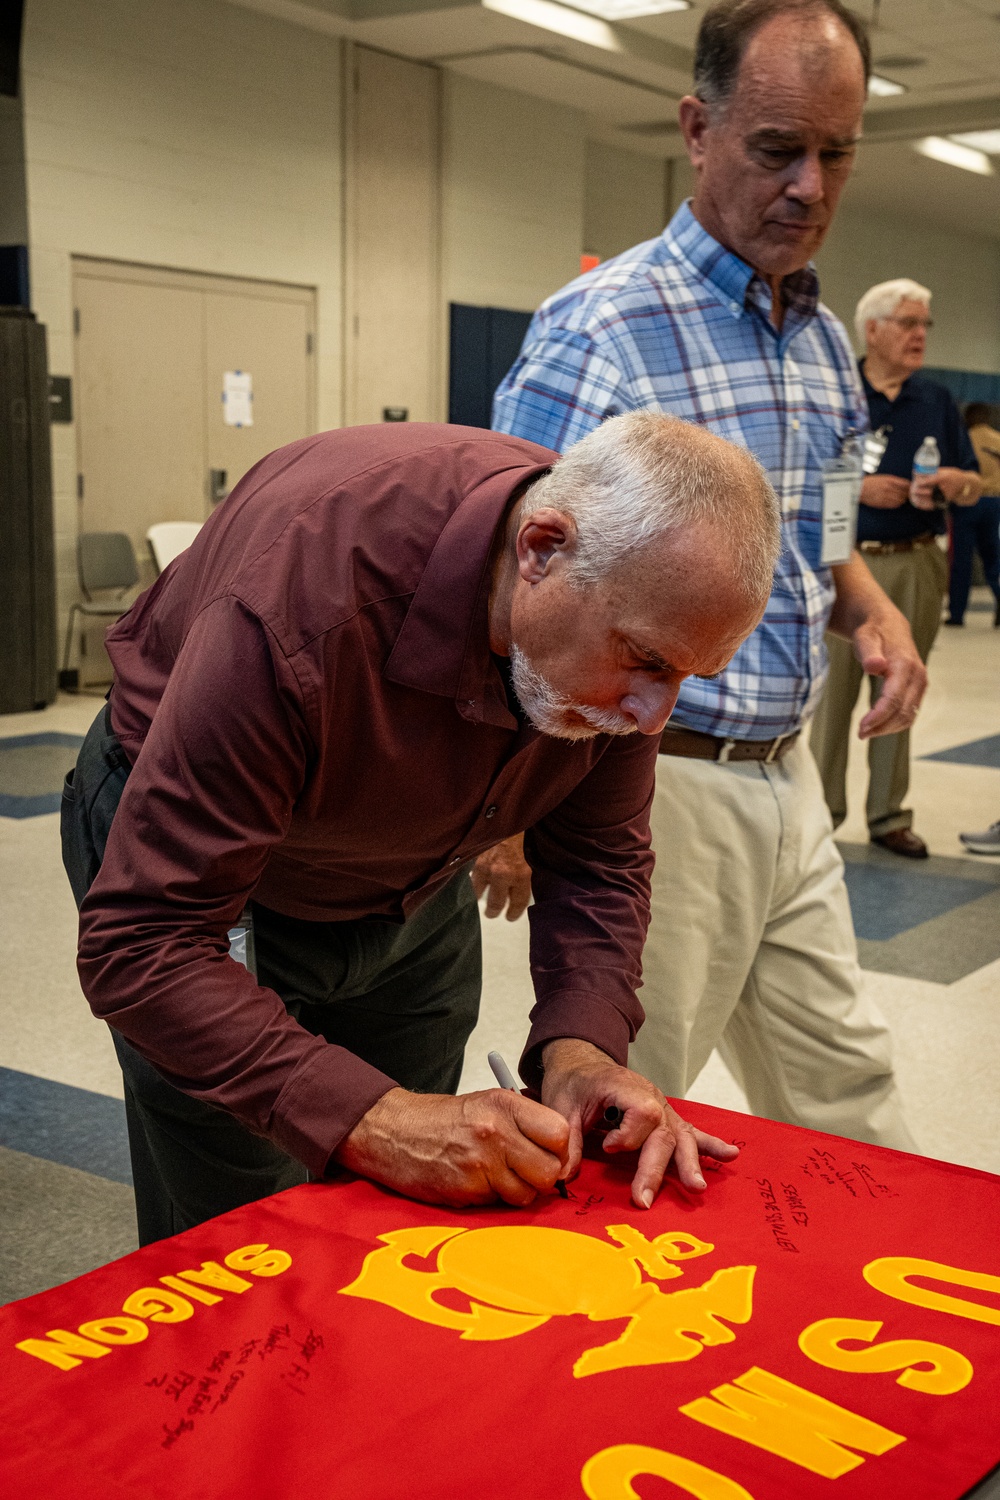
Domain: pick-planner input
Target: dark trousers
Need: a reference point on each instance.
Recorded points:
(974, 528)
(403, 996)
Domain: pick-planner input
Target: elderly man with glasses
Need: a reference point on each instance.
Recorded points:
(899, 521)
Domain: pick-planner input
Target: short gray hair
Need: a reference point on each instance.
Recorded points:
(881, 302)
(644, 474)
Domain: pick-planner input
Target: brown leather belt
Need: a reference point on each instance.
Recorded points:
(885, 549)
(697, 746)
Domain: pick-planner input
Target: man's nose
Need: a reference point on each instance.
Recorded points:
(807, 184)
(650, 705)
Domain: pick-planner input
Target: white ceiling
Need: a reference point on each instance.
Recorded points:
(945, 52)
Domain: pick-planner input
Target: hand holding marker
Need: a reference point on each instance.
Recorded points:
(612, 1115)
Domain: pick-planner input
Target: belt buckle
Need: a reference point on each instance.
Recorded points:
(725, 752)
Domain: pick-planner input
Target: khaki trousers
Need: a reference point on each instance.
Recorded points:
(751, 949)
(915, 582)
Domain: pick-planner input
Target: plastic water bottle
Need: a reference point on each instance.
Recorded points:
(926, 461)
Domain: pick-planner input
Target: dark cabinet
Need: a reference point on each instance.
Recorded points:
(27, 561)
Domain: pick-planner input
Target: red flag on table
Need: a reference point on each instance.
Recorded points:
(827, 1310)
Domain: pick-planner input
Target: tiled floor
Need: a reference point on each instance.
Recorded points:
(929, 942)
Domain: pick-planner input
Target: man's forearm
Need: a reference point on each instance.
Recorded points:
(859, 598)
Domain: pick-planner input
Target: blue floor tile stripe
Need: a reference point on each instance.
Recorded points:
(984, 752)
(71, 1126)
(885, 903)
(32, 767)
(30, 807)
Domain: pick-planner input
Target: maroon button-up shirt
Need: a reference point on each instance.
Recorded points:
(314, 720)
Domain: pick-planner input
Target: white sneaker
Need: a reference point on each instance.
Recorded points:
(987, 842)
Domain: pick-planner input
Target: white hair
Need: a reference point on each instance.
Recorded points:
(643, 474)
(881, 302)
(556, 713)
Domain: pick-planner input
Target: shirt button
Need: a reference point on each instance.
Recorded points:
(491, 811)
(734, 307)
(795, 424)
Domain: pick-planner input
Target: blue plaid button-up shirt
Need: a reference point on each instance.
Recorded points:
(680, 324)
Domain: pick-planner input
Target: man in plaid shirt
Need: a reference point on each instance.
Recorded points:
(718, 321)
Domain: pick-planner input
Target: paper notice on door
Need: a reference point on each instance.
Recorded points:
(237, 398)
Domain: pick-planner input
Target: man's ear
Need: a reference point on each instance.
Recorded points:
(543, 539)
(692, 116)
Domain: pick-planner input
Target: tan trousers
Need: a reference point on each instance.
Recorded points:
(915, 582)
(751, 949)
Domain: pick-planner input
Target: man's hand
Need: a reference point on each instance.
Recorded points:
(505, 875)
(922, 491)
(884, 646)
(884, 491)
(581, 1081)
(864, 615)
(471, 1149)
(960, 486)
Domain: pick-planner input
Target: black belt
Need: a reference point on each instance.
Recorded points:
(697, 746)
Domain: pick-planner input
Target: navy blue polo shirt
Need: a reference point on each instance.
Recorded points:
(922, 409)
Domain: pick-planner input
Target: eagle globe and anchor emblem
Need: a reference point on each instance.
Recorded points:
(518, 1276)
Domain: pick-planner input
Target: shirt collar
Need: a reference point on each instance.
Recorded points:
(737, 284)
(908, 391)
(443, 646)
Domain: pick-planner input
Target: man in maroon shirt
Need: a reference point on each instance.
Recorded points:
(390, 649)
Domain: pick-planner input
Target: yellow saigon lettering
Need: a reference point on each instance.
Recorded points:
(64, 1350)
(158, 1306)
(949, 1371)
(259, 1260)
(214, 1275)
(609, 1474)
(517, 1277)
(115, 1330)
(196, 1293)
(891, 1275)
(771, 1413)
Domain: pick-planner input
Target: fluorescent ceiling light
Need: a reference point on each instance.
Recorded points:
(560, 19)
(629, 10)
(954, 155)
(980, 140)
(883, 87)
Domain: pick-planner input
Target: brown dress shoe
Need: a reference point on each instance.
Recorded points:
(902, 841)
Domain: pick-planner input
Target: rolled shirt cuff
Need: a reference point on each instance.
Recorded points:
(322, 1104)
(584, 1016)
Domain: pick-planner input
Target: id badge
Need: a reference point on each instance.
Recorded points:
(841, 493)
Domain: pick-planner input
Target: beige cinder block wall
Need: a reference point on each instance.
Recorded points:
(512, 195)
(193, 134)
(627, 198)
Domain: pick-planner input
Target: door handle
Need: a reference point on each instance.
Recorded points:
(217, 485)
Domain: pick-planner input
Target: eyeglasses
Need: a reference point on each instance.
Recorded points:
(909, 324)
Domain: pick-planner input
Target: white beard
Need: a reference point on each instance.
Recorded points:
(553, 712)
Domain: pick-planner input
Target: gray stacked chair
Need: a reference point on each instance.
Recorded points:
(107, 570)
